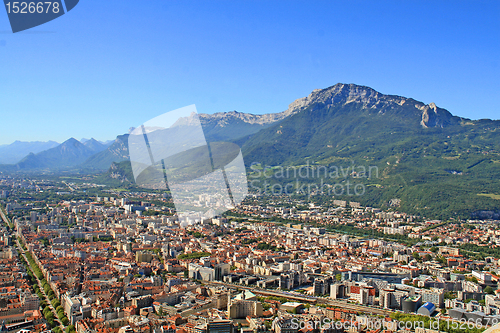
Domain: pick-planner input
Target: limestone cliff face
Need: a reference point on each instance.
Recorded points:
(225, 118)
(341, 94)
(432, 116)
(345, 94)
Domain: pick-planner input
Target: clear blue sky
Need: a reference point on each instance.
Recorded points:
(109, 65)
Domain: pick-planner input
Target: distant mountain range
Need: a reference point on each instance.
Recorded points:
(70, 153)
(90, 154)
(13, 153)
(428, 160)
(102, 160)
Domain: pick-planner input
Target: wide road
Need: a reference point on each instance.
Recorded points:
(69, 186)
(21, 250)
(56, 319)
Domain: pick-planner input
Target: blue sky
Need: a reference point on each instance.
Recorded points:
(109, 65)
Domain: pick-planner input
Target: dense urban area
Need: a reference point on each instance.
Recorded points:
(83, 257)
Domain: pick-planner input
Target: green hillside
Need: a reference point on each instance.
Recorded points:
(435, 170)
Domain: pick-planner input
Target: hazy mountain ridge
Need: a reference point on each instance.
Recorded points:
(94, 145)
(16, 151)
(115, 152)
(224, 118)
(221, 126)
(228, 126)
(70, 153)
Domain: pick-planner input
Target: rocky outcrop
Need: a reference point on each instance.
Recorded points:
(432, 116)
(116, 172)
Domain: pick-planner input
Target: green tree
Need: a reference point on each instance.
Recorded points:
(472, 279)
(489, 290)
(449, 295)
(51, 323)
(266, 306)
(442, 260)
(55, 303)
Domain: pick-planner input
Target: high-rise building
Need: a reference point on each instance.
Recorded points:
(221, 270)
(337, 290)
(242, 308)
(411, 304)
(391, 298)
(434, 295)
(143, 256)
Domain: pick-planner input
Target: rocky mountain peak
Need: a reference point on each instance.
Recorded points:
(341, 94)
(432, 116)
(71, 142)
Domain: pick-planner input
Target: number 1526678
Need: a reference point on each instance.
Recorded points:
(32, 7)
